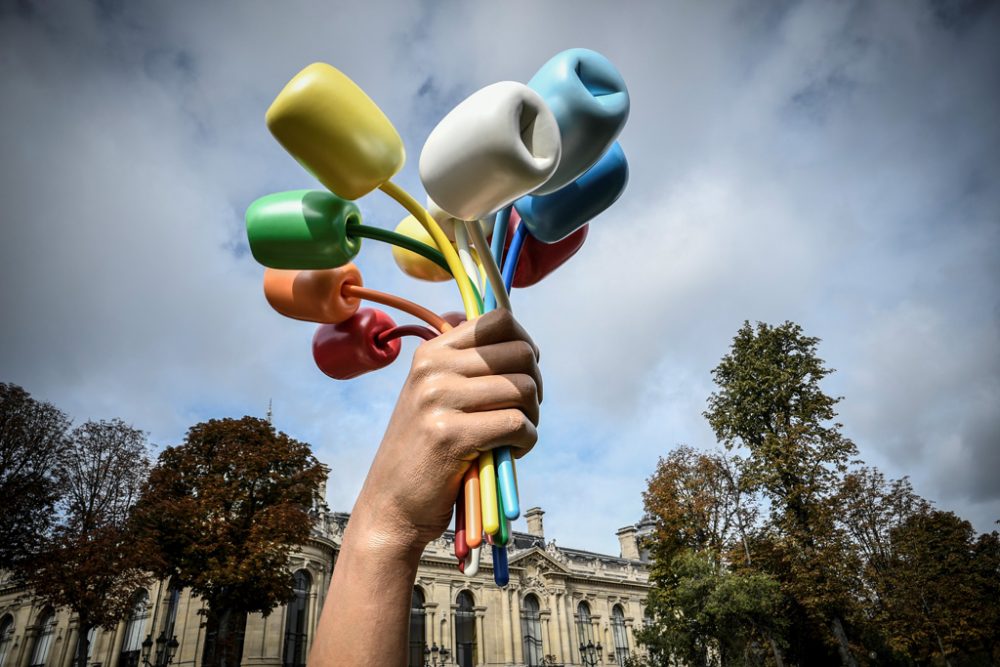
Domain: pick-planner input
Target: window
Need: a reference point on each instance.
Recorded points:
(296, 619)
(465, 631)
(46, 628)
(6, 637)
(619, 634)
(418, 617)
(584, 627)
(132, 639)
(531, 631)
(169, 628)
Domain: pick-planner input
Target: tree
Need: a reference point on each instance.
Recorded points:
(222, 512)
(705, 614)
(91, 563)
(705, 611)
(32, 448)
(770, 407)
(942, 588)
(693, 502)
(870, 508)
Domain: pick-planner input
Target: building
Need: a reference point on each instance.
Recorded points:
(560, 605)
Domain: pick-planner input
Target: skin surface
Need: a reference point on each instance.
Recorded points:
(469, 390)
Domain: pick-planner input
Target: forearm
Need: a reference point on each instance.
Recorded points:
(365, 620)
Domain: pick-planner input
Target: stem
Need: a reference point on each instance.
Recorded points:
(406, 330)
(490, 264)
(398, 303)
(400, 240)
(469, 297)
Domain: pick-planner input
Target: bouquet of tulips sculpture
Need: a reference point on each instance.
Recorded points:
(526, 164)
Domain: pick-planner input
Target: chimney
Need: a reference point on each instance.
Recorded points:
(626, 537)
(534, 517)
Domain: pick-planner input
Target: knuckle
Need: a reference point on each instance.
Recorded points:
(505, 318)
(439, 428)
(524, 353)
(432, 392)
(425, 362)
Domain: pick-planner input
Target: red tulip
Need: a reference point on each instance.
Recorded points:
(539, 259)
(348, 349)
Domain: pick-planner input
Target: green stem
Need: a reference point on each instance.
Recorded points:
(405, 242)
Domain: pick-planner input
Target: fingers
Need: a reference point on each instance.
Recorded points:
(494, 429)
(497, 326)
(510, 357)
(501, 392)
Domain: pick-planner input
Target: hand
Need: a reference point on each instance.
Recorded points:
(469, 390)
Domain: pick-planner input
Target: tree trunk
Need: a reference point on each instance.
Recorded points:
(224, 633)
(843, 647)
(83, 645)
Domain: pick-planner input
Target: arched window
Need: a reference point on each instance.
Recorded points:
(132, 639)
(531, 631)
(46, 628)
(465, 631)
(417, 632)
(296, 619)
(585, 633)
(619, 634)
(6, 637)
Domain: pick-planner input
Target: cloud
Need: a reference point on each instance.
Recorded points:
(829, 164)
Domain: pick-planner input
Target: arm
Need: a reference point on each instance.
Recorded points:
(469, 390)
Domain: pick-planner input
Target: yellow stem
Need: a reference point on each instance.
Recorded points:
(443, 244)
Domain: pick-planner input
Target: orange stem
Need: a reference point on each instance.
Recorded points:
(397, 302)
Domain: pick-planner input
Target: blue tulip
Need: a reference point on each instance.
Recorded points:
(588, 97)
(553, 217)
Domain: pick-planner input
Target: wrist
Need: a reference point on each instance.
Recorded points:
(380, 535)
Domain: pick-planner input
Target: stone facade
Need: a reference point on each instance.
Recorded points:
(537, 619)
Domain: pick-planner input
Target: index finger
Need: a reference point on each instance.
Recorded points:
(498, 326)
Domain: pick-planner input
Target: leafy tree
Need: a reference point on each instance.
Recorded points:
(222, 512)
(870, 508)
(705, 614)
(770, 407)
(32, 448)
(693, 500)
(943, 584)
(90, 563)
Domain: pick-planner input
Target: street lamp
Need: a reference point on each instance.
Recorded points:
(165, 650)
(435, 652)
(589, 653)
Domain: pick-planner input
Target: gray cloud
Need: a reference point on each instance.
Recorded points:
(829, 164)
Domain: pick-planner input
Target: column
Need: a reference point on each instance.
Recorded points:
(547, 646)
(253, 637)
(70, 647)
(116, 643)
(480, 635)
(569, 627)
(430, 624)
(505, 629)
(516, 627)
(555, 645)
(273, 639)
(28, 641)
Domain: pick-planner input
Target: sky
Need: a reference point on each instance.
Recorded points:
(833, 164)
